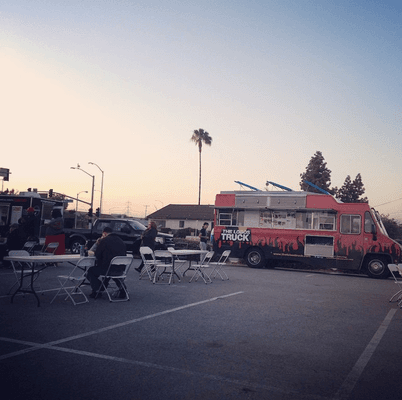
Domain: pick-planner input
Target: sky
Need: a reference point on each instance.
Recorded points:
(123, 84)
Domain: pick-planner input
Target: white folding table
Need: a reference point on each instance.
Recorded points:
(33, 262)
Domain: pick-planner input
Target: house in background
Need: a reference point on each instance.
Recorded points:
(181, 216)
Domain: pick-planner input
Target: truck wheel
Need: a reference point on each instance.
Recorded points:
(377, 268)
(255, 258)
(75, 245)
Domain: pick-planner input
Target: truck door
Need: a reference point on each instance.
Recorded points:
(370, 233)
(351, 240)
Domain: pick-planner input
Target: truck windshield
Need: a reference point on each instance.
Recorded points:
(379, 221)
(137, 226)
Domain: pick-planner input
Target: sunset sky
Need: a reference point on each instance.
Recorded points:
(124, 83)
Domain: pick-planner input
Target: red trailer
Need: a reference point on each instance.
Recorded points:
(316, 229)
(14, 206)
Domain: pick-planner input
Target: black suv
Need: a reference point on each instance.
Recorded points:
(129, 230)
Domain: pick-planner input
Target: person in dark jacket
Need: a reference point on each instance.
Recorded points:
(148, 240)
(109, 246)
(31, 224)
(55, 231)
(15, 241)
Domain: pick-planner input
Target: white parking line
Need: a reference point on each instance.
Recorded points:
(37, 346)
(354, 375)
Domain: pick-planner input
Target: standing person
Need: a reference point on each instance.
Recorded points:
(15, 241)
(109, 246)
(212, 238)
(30, 224)
(54, 231)
(203, 238)
(148, 240)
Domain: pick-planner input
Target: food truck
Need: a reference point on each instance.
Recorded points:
(14, 206)
(267, 227)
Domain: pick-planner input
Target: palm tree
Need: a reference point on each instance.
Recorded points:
(199, 137)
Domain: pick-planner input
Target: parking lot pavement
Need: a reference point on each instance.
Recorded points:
(264, 334)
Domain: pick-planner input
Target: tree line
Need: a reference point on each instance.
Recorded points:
(319, 174)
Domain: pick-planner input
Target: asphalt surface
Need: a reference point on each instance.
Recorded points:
(264, 334)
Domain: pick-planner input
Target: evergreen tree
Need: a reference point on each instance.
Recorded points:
(350, 192)
(316, 173)
(359, 189)
(345, 193)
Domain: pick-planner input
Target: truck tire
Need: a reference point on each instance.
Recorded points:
(376, 267)
(75, 245)
(255, 258)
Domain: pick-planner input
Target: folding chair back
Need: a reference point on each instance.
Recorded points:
(48, 249)
(178, 262)
(208, 257)
(218, 266)
(16, 253)
(29, 246)
(203, 266)
(148, 259)
(395, 269)
(51, 248)
(117, 271)
(224, 256)
(76, 278)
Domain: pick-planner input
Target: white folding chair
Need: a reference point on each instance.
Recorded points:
(75, 278)
(117, 272)
(395, 269)
(218, 266)
(164, 265)
(178, 262)
(149, 261)
(29, 246)
(204, 265)
(22, 273)
(48, 249)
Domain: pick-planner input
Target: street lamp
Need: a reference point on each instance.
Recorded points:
(92, 195)
(101, 196)
(76, 206)
(159, 202)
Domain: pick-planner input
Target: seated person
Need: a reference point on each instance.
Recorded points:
(109, 246)
(55, 231)
(15, 241)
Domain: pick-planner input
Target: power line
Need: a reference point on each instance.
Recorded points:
(383, 204)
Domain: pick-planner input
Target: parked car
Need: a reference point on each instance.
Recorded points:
(129, 230)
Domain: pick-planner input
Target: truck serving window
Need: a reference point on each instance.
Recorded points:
(231, 217)
(351, 224)
(225, 219)
(323, 221)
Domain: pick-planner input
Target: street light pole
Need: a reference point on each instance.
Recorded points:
(101, 196)
(159, 202)
(92, 195)
(76, 206)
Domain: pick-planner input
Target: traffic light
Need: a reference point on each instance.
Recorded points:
(97, 213)
(50, 192)
(90, 212)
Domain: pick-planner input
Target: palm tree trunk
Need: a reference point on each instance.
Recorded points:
(199, 183)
